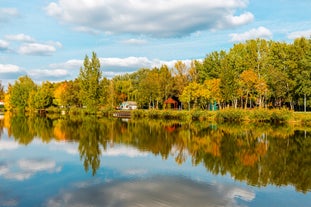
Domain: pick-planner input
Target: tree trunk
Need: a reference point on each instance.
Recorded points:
(305, 103)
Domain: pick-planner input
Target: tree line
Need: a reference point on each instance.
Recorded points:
(256, 73)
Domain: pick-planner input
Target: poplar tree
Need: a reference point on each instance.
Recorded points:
(89, 81)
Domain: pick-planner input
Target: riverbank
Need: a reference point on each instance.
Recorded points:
(225, 115)
(228, 115)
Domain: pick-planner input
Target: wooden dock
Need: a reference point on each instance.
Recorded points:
(122, 114)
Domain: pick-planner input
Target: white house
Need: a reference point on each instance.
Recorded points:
(128, 105)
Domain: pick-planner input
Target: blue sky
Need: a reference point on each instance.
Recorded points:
(48, 39)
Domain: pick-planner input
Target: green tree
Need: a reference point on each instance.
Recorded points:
(303, 75)
(44, 96)
(19, 94)
(212, 66)
(278, 74)
(229, 77)
(89, 82)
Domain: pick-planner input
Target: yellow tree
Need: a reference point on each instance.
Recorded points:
(248, 81)
(180, 77)
(213, 87)
(195, 93)
(262, 90)
(59, 94)
(253, 87)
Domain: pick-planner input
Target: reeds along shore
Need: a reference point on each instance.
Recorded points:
(228, 115)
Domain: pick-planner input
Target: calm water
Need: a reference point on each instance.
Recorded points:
(71, 161)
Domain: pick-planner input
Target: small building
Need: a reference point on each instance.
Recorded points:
(170, 104)
(128, 105)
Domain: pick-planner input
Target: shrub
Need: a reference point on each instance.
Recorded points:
(260, 115)
(280, 115)
(231, 115)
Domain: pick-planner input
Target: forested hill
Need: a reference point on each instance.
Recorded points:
(257, 73)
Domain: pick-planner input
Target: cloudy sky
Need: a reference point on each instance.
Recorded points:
(48, 39)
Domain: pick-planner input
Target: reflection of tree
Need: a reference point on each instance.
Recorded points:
(89, 133)
(89, 144)
(1, 127)
(259, 154)
(22, 132)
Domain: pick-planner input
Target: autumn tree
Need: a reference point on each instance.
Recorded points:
(248, 81)
(180, 78)
(213, 86)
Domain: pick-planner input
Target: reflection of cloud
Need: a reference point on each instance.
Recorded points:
(3, 169)
(241, 193)
(10, 202)
(135, 172)
(168, 191)
(124, 151)
(26, 168)
(38, 165)
(20, 176)
(7, 145)
(68, 147)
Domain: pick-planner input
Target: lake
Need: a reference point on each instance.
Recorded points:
(89, 161)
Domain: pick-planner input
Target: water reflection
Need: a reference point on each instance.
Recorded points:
(156, 191)
(259, 154)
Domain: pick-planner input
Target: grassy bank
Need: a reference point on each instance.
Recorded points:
(224, 115)
(228, 115)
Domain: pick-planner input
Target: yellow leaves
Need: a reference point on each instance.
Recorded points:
(248, 78)
(213, 86)
(59, 93)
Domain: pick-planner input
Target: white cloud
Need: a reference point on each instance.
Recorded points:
(8, 68)
(134, 41)
(4, 45)
(297, 34)
(240, 20)
(137, 62)
(110, 66)
(7, 13)
(9, 71)
(70, 64)
(157, 18)
(47, 74)
(36, 49)
(260, 32)
(20, 37)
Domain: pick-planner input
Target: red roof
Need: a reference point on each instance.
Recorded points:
(170, 101)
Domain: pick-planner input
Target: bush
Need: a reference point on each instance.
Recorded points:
(260, 115)
(280, 115)
(231, 115)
